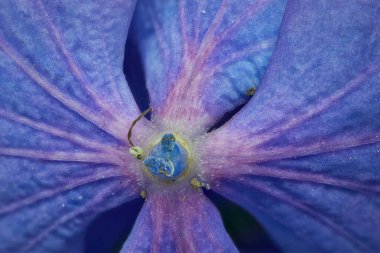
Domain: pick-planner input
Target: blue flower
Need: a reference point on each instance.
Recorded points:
(302, 155)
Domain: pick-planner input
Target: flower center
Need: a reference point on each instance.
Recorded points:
(168, 159)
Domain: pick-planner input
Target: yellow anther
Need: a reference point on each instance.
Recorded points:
(137, 152)
(143, 194)
(197, 185)
(251, 91)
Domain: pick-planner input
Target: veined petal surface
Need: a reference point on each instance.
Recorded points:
(303, 155)
(201, 57)
(64, 61)
(178, 220)
(65, 109)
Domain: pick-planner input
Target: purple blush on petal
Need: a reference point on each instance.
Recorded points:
(200, 66)
(306, 146)
(64, 108)
(178, 220)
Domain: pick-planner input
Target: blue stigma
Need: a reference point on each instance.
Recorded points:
(168, 159)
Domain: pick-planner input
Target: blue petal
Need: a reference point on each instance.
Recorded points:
(201, 57)
(303, 155)
(64, 111)
(178, 220)
(44, 205)
(64, 62)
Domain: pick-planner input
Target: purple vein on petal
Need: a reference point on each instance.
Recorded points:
(54, 92)
(49, 193)
(76, 71)
(157, 216)
(319, 147)
(210, 43)
(223, 8)
(232, 192)
(248, 13)
(114, 90)
(61, 156)
(195, 63)
(296, 204)
(97, 200)
(46, 128)
(183, 27)
(323, 104)
(182, 225)
(298, 176)
(200, 6)
(317, 178)
(192, 63)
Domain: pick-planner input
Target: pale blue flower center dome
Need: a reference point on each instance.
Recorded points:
(168, 159)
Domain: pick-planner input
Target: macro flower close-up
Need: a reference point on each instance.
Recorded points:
(154, 112)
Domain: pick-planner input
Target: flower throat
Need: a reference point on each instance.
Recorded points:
(167, 160)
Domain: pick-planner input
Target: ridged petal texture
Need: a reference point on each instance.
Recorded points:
(178, 220)
(304, 154)
(201, 57)
(62, 156)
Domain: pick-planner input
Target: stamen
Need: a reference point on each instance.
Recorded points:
(143, 194)
(136, 151)
(134, 123)
(251, 91)
(198, 185)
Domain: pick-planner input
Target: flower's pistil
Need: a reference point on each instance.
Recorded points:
(167, 160)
